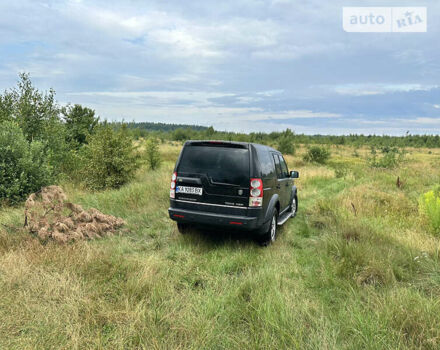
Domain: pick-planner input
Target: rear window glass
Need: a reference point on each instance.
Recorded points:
(221, 164)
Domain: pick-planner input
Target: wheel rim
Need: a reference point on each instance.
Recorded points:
(273, 228)
(294, 205)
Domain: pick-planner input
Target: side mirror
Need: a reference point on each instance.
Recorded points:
(294, 174)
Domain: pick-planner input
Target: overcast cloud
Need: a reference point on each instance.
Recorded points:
(242, 65)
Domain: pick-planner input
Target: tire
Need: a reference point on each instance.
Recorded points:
(183, 228)
(294, 204)
(271, 235)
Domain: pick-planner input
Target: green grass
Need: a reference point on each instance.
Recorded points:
(334, 279)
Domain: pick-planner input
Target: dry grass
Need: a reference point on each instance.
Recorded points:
(48, 215)
(335, 279)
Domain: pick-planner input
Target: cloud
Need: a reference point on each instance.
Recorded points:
(156, 97)
(238, 64)
(421, 121)
(379, 89)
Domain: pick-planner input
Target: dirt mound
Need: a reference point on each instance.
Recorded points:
(50, 216)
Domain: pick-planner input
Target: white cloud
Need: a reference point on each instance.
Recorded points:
(243, 63)
(197, 107)
(270, 93)
(378, 89)
(154, 98)
(422, 121)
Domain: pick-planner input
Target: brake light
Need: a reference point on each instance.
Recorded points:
(256, 193)
(173, 185)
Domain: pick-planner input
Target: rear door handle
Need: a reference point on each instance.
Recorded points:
(190, 180)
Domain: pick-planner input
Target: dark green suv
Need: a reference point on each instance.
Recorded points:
(238, 185)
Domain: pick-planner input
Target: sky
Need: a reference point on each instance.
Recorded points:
(241, 65)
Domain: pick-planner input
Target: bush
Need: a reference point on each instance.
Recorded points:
(316, 154)
(109, 160)
(430, 207)
(24, 166)
(390, 157)
(285, 145)
(181, 134)
(341, 171)
(153, 154)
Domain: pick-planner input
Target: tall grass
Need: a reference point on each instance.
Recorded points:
(337, 278)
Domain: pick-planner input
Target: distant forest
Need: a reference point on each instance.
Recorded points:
(182, 132)
(164, 127)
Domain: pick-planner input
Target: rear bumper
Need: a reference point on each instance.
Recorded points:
(214, 219)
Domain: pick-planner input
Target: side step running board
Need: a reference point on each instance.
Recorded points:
(283, 218)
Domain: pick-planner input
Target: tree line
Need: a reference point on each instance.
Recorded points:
(43, 142)
(178, 132)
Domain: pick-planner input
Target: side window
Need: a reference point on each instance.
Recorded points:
(277, 165)
(284, 168)
(266, 162)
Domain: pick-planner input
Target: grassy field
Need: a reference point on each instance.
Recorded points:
(356, 269)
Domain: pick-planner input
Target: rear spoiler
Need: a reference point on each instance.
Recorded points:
(218, 143)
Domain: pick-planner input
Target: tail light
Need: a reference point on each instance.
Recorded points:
(173, 185)
(256, 193)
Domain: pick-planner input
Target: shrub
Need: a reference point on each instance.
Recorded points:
(285, 145)
(390, 157)
(341, 171)
(153, 154)
(109, 160)
(430, 207)
(181, 134)
(24, 166)
(316, 154)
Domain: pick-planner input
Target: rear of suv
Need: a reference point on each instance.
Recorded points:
(237, 185)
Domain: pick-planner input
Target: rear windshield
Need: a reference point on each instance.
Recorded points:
(228, 165)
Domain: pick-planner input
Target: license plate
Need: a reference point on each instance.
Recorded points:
(189, 190)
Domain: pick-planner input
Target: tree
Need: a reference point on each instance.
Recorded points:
(80, 122)
(210, 132)
(38, 116)
(30, 108)
(285, 145)
(24, 166)
(181, 134)
(153, 154)
(109, 160)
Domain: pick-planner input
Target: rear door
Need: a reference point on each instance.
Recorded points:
(214, 173)
(283, 181)
(286, 184)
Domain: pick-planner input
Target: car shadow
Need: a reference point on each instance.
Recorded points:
(214, 237)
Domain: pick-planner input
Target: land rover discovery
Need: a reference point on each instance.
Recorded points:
(232, 185)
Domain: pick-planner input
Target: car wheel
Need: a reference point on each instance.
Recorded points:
(294, 206)
(271, 235)
(183, 228)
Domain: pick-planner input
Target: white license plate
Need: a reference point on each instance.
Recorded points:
(189, 190)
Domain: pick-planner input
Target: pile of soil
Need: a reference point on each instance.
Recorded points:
(49, 216)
